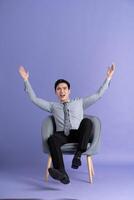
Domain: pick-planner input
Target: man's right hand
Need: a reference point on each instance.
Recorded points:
(23, 73)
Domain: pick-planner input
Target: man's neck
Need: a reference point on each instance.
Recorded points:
(66, 101)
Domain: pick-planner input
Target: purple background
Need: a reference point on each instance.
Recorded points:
(76, 40)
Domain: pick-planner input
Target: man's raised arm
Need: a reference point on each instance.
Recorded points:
(45, 105)
(89, 100)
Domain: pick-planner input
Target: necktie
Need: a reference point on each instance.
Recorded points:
(67, 124)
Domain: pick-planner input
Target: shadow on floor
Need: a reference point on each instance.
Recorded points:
(22, 199)
(38, 185)
(66, 199)
(36, 199)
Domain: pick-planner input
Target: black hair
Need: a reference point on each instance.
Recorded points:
(61, 81)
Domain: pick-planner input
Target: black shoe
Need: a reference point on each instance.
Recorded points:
(58, 175)
(76, 162)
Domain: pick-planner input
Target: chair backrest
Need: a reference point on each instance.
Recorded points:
(48, 128)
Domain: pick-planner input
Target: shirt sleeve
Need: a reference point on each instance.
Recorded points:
(89, 100)
(43, 104)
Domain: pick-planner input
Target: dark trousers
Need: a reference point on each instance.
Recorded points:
(83, 135)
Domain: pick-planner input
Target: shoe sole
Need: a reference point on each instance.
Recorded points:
(75, 166)
(56, 174)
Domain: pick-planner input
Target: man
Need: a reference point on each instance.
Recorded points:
(70, 124)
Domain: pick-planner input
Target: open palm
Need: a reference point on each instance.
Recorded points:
(23, 73)
(111, 71)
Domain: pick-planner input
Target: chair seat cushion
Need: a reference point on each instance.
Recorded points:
(70, 148)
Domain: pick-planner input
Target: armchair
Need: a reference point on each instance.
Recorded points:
(48, 128)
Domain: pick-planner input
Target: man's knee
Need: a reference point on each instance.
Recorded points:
(87, 122)
(51, 139)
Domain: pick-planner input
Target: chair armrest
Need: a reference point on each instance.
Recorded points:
(48, 127)
(93, 148)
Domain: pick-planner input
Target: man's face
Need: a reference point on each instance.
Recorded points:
(62, 92)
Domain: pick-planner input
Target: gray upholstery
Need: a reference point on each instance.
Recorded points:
(48, 128)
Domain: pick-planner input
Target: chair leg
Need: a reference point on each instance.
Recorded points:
(49, 162)
(90, 168)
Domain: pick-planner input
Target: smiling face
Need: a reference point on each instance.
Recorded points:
(62, 91)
